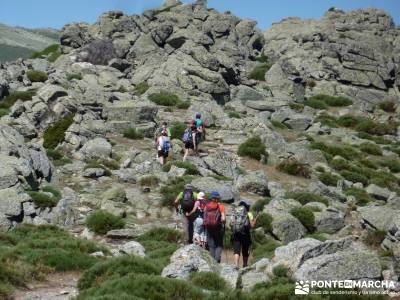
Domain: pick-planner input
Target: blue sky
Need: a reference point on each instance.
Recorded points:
(56, 13)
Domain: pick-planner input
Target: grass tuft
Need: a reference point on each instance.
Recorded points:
(253, 148)
(102, 221)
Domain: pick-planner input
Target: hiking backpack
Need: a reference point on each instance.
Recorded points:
(212, 216)
(165, 145)
(187, 203)
(200, 210)
(187, 136)
(240, 220)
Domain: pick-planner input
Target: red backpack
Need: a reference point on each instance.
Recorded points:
(212, 215)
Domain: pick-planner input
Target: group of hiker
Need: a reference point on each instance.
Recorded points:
(192, 136)
(204, 221)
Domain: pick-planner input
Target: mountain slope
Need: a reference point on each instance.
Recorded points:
(18, 42)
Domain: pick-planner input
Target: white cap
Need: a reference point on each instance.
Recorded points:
(200, 196)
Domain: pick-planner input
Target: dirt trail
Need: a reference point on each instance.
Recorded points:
(58, 286)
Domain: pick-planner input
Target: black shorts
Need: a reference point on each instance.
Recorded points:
(241, 241)
(189, 145)
(161, 153)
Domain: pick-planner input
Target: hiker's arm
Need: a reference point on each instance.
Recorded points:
(253, 222)
(223, 218)
(192, 212)
(176, 200)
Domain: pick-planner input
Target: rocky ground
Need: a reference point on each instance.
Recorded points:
(302, 121)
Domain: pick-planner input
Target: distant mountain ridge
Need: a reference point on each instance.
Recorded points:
(18, 42)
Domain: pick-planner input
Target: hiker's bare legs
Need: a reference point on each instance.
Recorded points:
(245, 261)
(161, 159)
(237, 259)
(186, 154)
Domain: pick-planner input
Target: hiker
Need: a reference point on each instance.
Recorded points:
(241, 223)
(199, 233)
(186, 201)
(164, 127)
(163, 146)
(189, 138)
(200, 127)
(214, 223)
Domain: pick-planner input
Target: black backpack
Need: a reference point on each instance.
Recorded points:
(187, 203)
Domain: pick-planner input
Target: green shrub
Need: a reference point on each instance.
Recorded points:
(375, 128)
(280, 271)
(42, 200)
(234, 115)
(305, 197)
(102, 164)
(392, 164)
(259, 205)
(71, 76)
(354, 177)
(331, 100)
(327, 120)
(190, 168)
(344, 151)
(361, 195)
(377, 139)
(371, 148)
(55, 134)
(388, 106)
(4, 112)
(164, 98)
(161, 234)
(253, 148)
(329, 179)
(133, 134)
(374, 238)
(141, 88)
(311, 84)
(263, 247)
(264, 221)
(318, 236)
(208, 280)
(47, 51)
(296, 106)
(258, 73)
(316, 104)
(183, 104)
(349, 121)
(114, 268)
(278, 289)
(52, 190)
(8, 101)
(278, 124)
(262, 58)
(143, 286)
(102, 221)
(294, 167)
(54, 154)
(36, 76)
(148, 181)
(305, 216)
(177, 129)
(54, 56)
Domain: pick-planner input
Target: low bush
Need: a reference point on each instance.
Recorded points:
(331, 100)
(149, 181)
(259, 205)
(345, 151)
(72, 76)
(161, 234)
(258, 73)
(299, 107)
(294, 167)
(264, 221)
(52, 52)
(8, 101)
(375, 128)
(305, 197)
(280, 271)
(42, 200)
(371, 148)
(3, 112)
(36, 76)
(392, 164)
(316, 104)
(374, 238)
(114, 268)
(329, 179)
(54, 154)
(262, 58)
(171, 190)
(318, 236)
(183, 104)
(354, 177)
(133, 134)
(164, 98)
(327, 120)
(56, 194)
(190, 168)
(253, 148)
(177, 129)
(360, 195)
(280, 288)
(102, 221)
(141, 88)
(105, 164)
(143, 286)
(278, 124)
(55, 134)
(234, 115)
(388, 106)
(208, 281)
(305, 216)
(263, 246)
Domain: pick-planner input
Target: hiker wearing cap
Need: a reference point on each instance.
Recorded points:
(201, 132)
(158, 132)
(189, 138)
(185, 201)
(241, 223)
(214, 221)
(163, 146)
(199, 233)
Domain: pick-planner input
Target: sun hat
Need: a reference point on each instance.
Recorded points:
(201, 196)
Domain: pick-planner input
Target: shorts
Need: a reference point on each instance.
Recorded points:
(189, 145)
(161, 153)
(241, 241)
(199, 232)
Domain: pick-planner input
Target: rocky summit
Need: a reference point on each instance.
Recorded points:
(302, 121)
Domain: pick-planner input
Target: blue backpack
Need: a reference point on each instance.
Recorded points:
(166, 145)
(187, 136)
